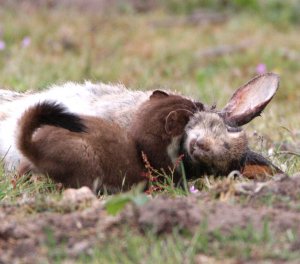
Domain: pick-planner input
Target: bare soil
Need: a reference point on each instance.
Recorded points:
(79, 220)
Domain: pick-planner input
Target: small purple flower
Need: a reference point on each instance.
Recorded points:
(193, 189)
(261, 68)
(2, 45)
(26, 42)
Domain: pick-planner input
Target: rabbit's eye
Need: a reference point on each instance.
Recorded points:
(231, 129)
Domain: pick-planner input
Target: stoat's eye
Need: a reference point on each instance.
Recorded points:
(231, 129)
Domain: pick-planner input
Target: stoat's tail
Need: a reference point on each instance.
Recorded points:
(44, 113)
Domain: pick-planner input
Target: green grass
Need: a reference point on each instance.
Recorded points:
(275, 11)
(13, 190)
(129, 47)
(240, 244)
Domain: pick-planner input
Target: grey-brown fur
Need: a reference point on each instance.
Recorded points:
(214, 142)
(210, 141)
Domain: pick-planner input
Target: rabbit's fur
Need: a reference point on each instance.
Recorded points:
(217, 145)
(117, 104)
(110, 102)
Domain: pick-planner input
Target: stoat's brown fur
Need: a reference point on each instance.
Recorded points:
(159, 126)
(78, 151)
(81, 150)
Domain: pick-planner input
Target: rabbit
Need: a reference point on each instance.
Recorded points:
(214, 142)
(91, 151)
(120, 105)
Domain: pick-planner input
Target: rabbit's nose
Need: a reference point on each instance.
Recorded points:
(203, 144)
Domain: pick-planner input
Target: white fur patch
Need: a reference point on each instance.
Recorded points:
(195, 133)
(235, 134)
(111, 102)
(173, 149)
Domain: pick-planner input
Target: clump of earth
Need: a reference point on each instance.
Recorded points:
(81, 220)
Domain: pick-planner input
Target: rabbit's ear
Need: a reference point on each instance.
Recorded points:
(250, 100)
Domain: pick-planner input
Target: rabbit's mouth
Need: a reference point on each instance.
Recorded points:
(201, 156)
(200, 151)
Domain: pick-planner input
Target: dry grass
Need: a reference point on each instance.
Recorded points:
(153, 50)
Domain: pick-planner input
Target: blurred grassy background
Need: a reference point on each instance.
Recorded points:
(204, 48)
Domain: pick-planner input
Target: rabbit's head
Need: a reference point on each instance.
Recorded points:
(214, 140)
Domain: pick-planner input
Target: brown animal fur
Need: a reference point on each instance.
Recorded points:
(90, 151)
(159, 122)
(100, 155)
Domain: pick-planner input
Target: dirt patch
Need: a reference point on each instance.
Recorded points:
(283, 186)
(282, 192)
(27, 235)
(79, 221)
(164, 214)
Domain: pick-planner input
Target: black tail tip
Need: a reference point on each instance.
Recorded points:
(56, 114)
